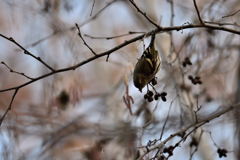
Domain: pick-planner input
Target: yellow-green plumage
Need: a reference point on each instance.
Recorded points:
(147, 66)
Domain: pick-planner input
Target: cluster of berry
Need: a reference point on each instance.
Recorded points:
(195, 80)
(150, 96)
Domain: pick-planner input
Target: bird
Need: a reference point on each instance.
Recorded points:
(147, 66)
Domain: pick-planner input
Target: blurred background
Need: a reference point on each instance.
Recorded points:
(95, 112)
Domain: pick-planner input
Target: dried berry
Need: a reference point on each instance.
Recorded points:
(164, 99)
(150, 93)
(164, 94)
(154, 81)
(195, 80)
(222, 152)
(63, 98)
(190, 77)
(150, 99)
(146, 96)
(186, 62)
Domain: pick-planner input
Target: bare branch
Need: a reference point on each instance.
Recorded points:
(198, 13)
(144, 14)
(232, 14)
(108, 52)
(113, 37)
(20, 73)
(26, 51)
(72, 28)
(92, 7)
(9, 106)
(194, 126)
(80, 35)
(165, 122)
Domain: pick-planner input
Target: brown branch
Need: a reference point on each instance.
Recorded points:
(223, 24)
(108, 52)
(85, 43)
(232, 14)
(194, 126)
(92, 7)
(9, 106)
(19, 73)
(172, 49)
(144, 14)
(112, 37)
(26, 51)
(198, 13)
(98, 13)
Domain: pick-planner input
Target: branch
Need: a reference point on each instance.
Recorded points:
(19, 73)
(71, 28)
(26, 51)
(112, 37)
(144, 14)
(80, 35)
(9, 106)
(194, 126)
(108, 52)
(232, 14)
(198, 13)
(92, 7)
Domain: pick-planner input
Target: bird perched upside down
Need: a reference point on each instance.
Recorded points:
(147, 66)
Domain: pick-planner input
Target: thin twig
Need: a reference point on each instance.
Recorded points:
(26, 51)
(80, 35)
(232, 14)
(71, 28)
(172, 48)
(19, 73)
(223, 24)
(165, 122)
(9, 106)
(144, 14)
(112, 37)
(198, 13)
(125, 43)
(92, 7)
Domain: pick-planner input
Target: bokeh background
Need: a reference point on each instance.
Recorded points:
(81, 114)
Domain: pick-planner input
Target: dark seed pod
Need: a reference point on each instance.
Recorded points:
(156, 97)
(164, 99)
(150, 99)
(146, 96)
(150, 93)
(164, 94)
(154, 81)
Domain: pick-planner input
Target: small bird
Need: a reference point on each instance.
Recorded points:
(147, 66)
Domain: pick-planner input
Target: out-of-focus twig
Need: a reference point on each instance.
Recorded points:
(232, 14)
(110, 51)
(193, 127)
(92, 8)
